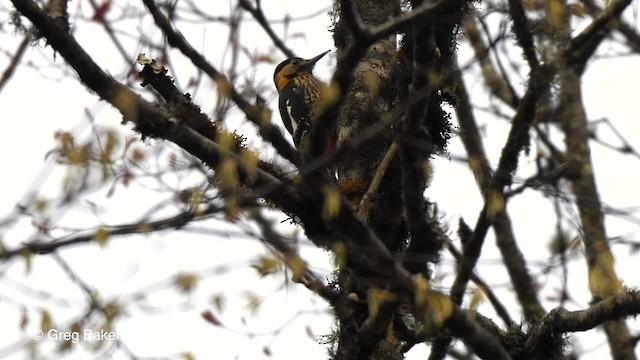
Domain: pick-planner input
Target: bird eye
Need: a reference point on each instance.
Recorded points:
(295, 62)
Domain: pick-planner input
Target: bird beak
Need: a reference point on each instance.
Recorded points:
(310, 63)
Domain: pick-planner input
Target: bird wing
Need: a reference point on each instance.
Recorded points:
(295, 111)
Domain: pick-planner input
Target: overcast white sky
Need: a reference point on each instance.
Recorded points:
(33, 107)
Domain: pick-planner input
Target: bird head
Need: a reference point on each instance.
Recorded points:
(292, 67)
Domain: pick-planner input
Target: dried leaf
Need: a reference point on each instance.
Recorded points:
(41, 205)
(137, 155)
(377, 297)
(254, 302)
(227, 174)
(186, 282)
(438, 308)
(101, 11)
(27, 255)
(297, 266)
(24, 319)
(250, 160)
(46, 321)
(577, 9)
(144, 228)
(219, 302)
(195, 197)
(265, 116)
(101, 236)
(309, 332)
(111, 311)
(266, 265)
(332, 203)
(226, 141)
(420, 288)
(556, 12)
(603, 281)
(476, 298)
(495, 204)
(339, 255)
(127, 102)
(224, 88)
(267, 351)
(210, 318)
(329, 96)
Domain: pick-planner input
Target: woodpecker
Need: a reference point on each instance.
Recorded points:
(299, 94)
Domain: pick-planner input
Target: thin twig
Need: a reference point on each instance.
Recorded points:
(363, 208)
(15, 59)
(258, 14)
(174, 222)
(255, 114)
(584, 44)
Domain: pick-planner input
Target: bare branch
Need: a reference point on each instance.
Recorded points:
(584, 44)
(521, 28)
(15, 59)
(494, 200)
(560, 321)
(258, 14)
(47, 246)
(255, 114)
(497, 83)
(305, 277)
(484, 287)
(483, 342)
(363, 208)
